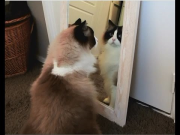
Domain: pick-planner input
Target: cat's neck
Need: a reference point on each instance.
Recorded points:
(85, 64)
(112, 48)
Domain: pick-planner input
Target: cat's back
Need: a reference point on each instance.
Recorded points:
(61, 104)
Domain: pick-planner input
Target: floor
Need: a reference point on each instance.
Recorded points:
(140, 120)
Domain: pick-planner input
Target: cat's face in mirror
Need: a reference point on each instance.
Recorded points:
(113, 34)
(84, 34)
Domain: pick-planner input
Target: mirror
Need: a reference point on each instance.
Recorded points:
(68, 11)
(106, 19)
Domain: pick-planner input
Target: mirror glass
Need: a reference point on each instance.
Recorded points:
(106, 19)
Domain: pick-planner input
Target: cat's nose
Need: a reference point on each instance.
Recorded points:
(113, 39)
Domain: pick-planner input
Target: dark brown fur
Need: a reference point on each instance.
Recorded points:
(62, 105)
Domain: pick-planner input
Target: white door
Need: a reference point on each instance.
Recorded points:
(94, 12)
(154, 62)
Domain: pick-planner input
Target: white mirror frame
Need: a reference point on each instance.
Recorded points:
(130, 24)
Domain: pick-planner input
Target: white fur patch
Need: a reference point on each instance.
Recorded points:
(85, 63)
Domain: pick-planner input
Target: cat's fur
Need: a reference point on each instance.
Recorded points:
(109, 61)
(63, 99)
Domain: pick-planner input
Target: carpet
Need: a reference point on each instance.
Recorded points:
(140, 120)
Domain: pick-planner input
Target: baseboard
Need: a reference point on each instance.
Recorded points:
(154, 109)
(40, 58)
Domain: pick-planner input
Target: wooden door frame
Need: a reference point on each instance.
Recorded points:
(130, 24)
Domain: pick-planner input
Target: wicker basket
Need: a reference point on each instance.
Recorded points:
(17, 41)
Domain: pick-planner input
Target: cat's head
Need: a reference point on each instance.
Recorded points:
(84, 34)
(71, 50)
(113, 34)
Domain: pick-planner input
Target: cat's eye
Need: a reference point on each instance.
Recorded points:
(119, 35)
(110, 34)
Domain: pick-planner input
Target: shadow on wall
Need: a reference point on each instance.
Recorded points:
(33, 47)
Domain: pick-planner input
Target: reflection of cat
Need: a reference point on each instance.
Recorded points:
(63, 98)
(109, 61)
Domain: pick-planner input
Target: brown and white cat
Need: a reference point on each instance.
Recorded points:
(63, 99)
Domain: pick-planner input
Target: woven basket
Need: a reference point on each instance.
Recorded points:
(17, 41)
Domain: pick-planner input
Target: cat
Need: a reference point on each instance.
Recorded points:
(109, 61)
(63, 98)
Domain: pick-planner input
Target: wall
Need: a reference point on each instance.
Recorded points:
(154, 62)
(42, 37)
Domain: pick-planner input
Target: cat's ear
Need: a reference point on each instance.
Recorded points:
(120, 28)
(111, 25)
(83, 25)
(78, 22)
(85, 28)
